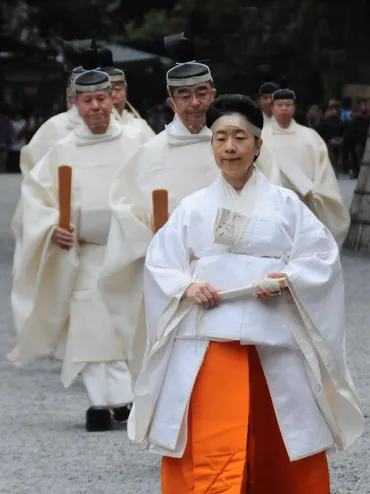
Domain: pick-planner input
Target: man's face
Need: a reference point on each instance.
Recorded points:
(283, 111)
(191, 103)
(266, 104)
(95, 108)
(119, 96)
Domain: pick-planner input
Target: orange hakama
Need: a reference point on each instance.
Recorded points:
(234, 441)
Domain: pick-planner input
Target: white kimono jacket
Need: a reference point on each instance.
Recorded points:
(175, 160)
(55, 291)
(300, 336)
(305, 168)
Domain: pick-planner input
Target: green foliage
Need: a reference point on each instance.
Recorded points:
(238, 30)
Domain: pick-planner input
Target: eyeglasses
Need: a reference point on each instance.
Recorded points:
(187, 97)
(117, 89)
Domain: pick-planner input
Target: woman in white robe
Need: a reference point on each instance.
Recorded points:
(201, 341)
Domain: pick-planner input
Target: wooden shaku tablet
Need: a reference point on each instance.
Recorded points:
(65, 193)
(160, 208)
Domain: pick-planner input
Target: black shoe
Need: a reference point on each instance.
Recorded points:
(98, 419)
(121, 414)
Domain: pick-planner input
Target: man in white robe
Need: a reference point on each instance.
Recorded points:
(55, 301)
(265, 101)
(119, 94)
(61, 125)
(305, 166)
(180, 160)
(50, 132)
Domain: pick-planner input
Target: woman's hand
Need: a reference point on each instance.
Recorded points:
(203, 294)
(63, 238)
(265, 294)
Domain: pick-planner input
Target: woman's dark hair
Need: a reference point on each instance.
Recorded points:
(234, 103)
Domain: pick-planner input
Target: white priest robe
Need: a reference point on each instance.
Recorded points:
(128, 119)
(300, 336)
(305, 168)
(179, 162)
(55, 294)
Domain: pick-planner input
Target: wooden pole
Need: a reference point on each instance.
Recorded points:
(65, 193)
(160, 208)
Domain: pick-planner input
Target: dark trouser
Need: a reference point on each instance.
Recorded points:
(351, 160)
(334, 156)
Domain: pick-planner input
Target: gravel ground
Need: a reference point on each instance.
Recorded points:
(44, 447)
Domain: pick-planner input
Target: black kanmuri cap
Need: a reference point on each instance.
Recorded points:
(91, 81)
(284, 94)
(106, 65)
(187, 71)
(268, 88)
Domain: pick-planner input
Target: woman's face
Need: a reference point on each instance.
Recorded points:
(234, 149)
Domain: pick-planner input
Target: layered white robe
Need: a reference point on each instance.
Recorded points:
(177, 161)
(305, 168)
(50, 132)
(300, 337)
(55, 296)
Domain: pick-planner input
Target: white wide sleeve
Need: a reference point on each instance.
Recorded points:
(315, 280)
(167, 274)
(43, 279)
(325, 200)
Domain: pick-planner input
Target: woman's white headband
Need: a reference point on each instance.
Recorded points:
(236, 120)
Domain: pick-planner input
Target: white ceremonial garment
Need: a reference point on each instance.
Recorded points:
(55, 295)
(50, 132)
(128, 119)
(300, 338)
(305, 168)
(177, 161)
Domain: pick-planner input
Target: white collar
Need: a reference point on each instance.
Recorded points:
(179, 135)
(292, 129)
(85, 137)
